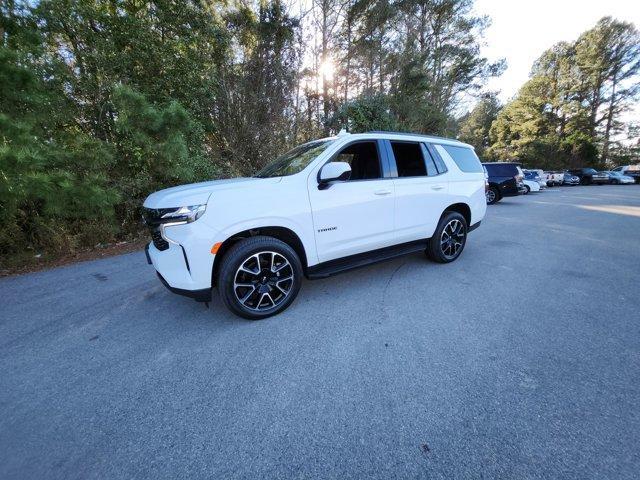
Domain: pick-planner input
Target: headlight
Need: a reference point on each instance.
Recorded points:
(184, 214)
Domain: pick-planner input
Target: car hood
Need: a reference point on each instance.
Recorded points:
(199, 193)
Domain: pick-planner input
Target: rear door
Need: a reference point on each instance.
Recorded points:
(354, 216)
(421, 188)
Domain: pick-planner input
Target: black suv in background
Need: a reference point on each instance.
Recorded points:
(505, 180)
(588, 176)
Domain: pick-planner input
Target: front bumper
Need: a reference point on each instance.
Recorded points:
(183, 258)
(174, 264)
(203, 295)
(180, 270)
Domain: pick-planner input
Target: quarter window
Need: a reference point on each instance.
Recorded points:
(465, 158)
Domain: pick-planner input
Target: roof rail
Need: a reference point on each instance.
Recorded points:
(415, 135)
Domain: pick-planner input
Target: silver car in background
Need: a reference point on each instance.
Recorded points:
(618, 178)
(570, 179)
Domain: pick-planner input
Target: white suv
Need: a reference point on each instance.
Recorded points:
(322, 208)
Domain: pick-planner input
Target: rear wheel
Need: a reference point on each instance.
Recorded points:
(259, 277)
(449, 239)
(492, 196)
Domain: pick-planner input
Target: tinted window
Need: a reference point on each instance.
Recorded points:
(431, 166)
(441, 166)
(465, 158)
(363, 159)
(501, 169)
(409, 159)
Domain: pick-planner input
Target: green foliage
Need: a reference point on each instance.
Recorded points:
(365, 114)
(156, 146)
(475, 127)
(51, 175)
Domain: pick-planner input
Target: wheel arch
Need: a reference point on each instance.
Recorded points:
(284, 234)
(462, 208)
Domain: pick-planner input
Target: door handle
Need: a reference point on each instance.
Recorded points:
(437, 187)
(382, 192)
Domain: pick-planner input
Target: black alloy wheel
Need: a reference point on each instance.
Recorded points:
(449, 239)
(259, 276)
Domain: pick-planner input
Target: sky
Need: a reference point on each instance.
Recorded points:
(522, 29)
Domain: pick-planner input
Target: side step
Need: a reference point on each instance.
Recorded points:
(333, 267)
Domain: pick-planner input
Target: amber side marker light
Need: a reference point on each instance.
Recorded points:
(216, 247)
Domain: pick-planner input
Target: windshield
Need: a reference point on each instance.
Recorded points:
(294, 161)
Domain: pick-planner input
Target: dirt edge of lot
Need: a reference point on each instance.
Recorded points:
(36, 264)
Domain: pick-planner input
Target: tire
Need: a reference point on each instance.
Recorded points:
(446, 245)
(267, 291)
(492, 196)
(528, 189)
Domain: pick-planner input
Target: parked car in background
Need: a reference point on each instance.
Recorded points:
(554, 179)
(632, 171)
(589, 176)
(532, 181)
(530, 186)
(569, 179)
(505, 180)
(617, 178)
(539, 176)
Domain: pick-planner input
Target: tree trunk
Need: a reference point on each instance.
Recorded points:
(610, 114)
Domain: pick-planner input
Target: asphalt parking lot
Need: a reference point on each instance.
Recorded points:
(520, 360)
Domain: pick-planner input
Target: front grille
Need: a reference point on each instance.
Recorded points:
(158, 242)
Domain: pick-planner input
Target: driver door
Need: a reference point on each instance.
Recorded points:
(356, 215)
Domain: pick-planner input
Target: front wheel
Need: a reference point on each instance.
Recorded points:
(259, 277)
(527, 189)
(449, 239)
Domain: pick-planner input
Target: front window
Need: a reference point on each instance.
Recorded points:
(363, 159)
(295, 160)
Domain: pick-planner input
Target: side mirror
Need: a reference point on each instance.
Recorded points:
(334, 172)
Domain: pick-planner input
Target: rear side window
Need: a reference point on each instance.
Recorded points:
(465, 158)
(501, 170)
(409, 159)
